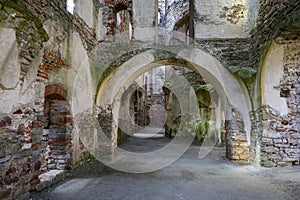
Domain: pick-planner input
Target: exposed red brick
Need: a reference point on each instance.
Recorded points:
(33, 184)
(36, 146)
(111, 24)
(68, 119)
(27, 129)
(109, 2)
(51, 61)
(21, 129)
(55, 89)
(18, 112)
(6, 121)
(2, 123)
(280, 129)
(36, 124)
(65, 113)
(58, 142)
(12, 169)
(42, 76)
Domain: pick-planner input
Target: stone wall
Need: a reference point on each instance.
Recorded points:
(57, 137)
(273, 17)
(233, 53)
(19, 135)
(237, 148)
(34, 52)
(35, 41)
(174, 13)
(28, 149)
(244, 56)
(280, 139)
(108, 138)
(109, 14)
(29, 29)
(224, 19)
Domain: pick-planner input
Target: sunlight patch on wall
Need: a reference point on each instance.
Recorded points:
(70, 6)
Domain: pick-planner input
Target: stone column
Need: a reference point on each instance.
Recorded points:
(237, 148)
(105, 139)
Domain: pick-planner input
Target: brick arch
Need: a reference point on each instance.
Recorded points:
(55, 91)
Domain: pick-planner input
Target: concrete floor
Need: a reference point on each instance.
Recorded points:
(191, 178)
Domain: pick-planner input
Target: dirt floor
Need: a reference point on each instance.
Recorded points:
(191, 178)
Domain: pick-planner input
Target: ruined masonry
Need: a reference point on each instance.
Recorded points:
(60, 63)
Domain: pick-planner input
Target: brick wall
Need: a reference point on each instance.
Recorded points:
(280, 139)
(19, 140)
(110, 9)
(237, 148)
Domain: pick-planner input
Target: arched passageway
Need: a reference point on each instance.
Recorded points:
(229, 90)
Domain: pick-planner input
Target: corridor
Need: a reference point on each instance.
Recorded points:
(191, 178)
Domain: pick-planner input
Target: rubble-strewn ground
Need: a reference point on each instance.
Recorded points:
(188, 178)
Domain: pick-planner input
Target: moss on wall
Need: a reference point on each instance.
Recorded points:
(122, 137)
(19, 7)
(202, 130)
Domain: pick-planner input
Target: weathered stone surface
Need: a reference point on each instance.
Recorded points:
(237, 147)
(224, 19)
(280, 124)
(41, 37)
(49, 178)
(81, 9)
(9, 59)
(6, 193)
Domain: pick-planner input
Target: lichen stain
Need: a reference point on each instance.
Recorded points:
(234, 13)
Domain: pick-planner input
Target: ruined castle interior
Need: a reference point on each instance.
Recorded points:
(79, 78)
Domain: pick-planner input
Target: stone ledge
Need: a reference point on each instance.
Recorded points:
(49, 178)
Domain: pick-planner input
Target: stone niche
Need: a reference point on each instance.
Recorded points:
(57, 139)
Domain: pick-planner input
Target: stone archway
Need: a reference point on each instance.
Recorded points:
(231, 92)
